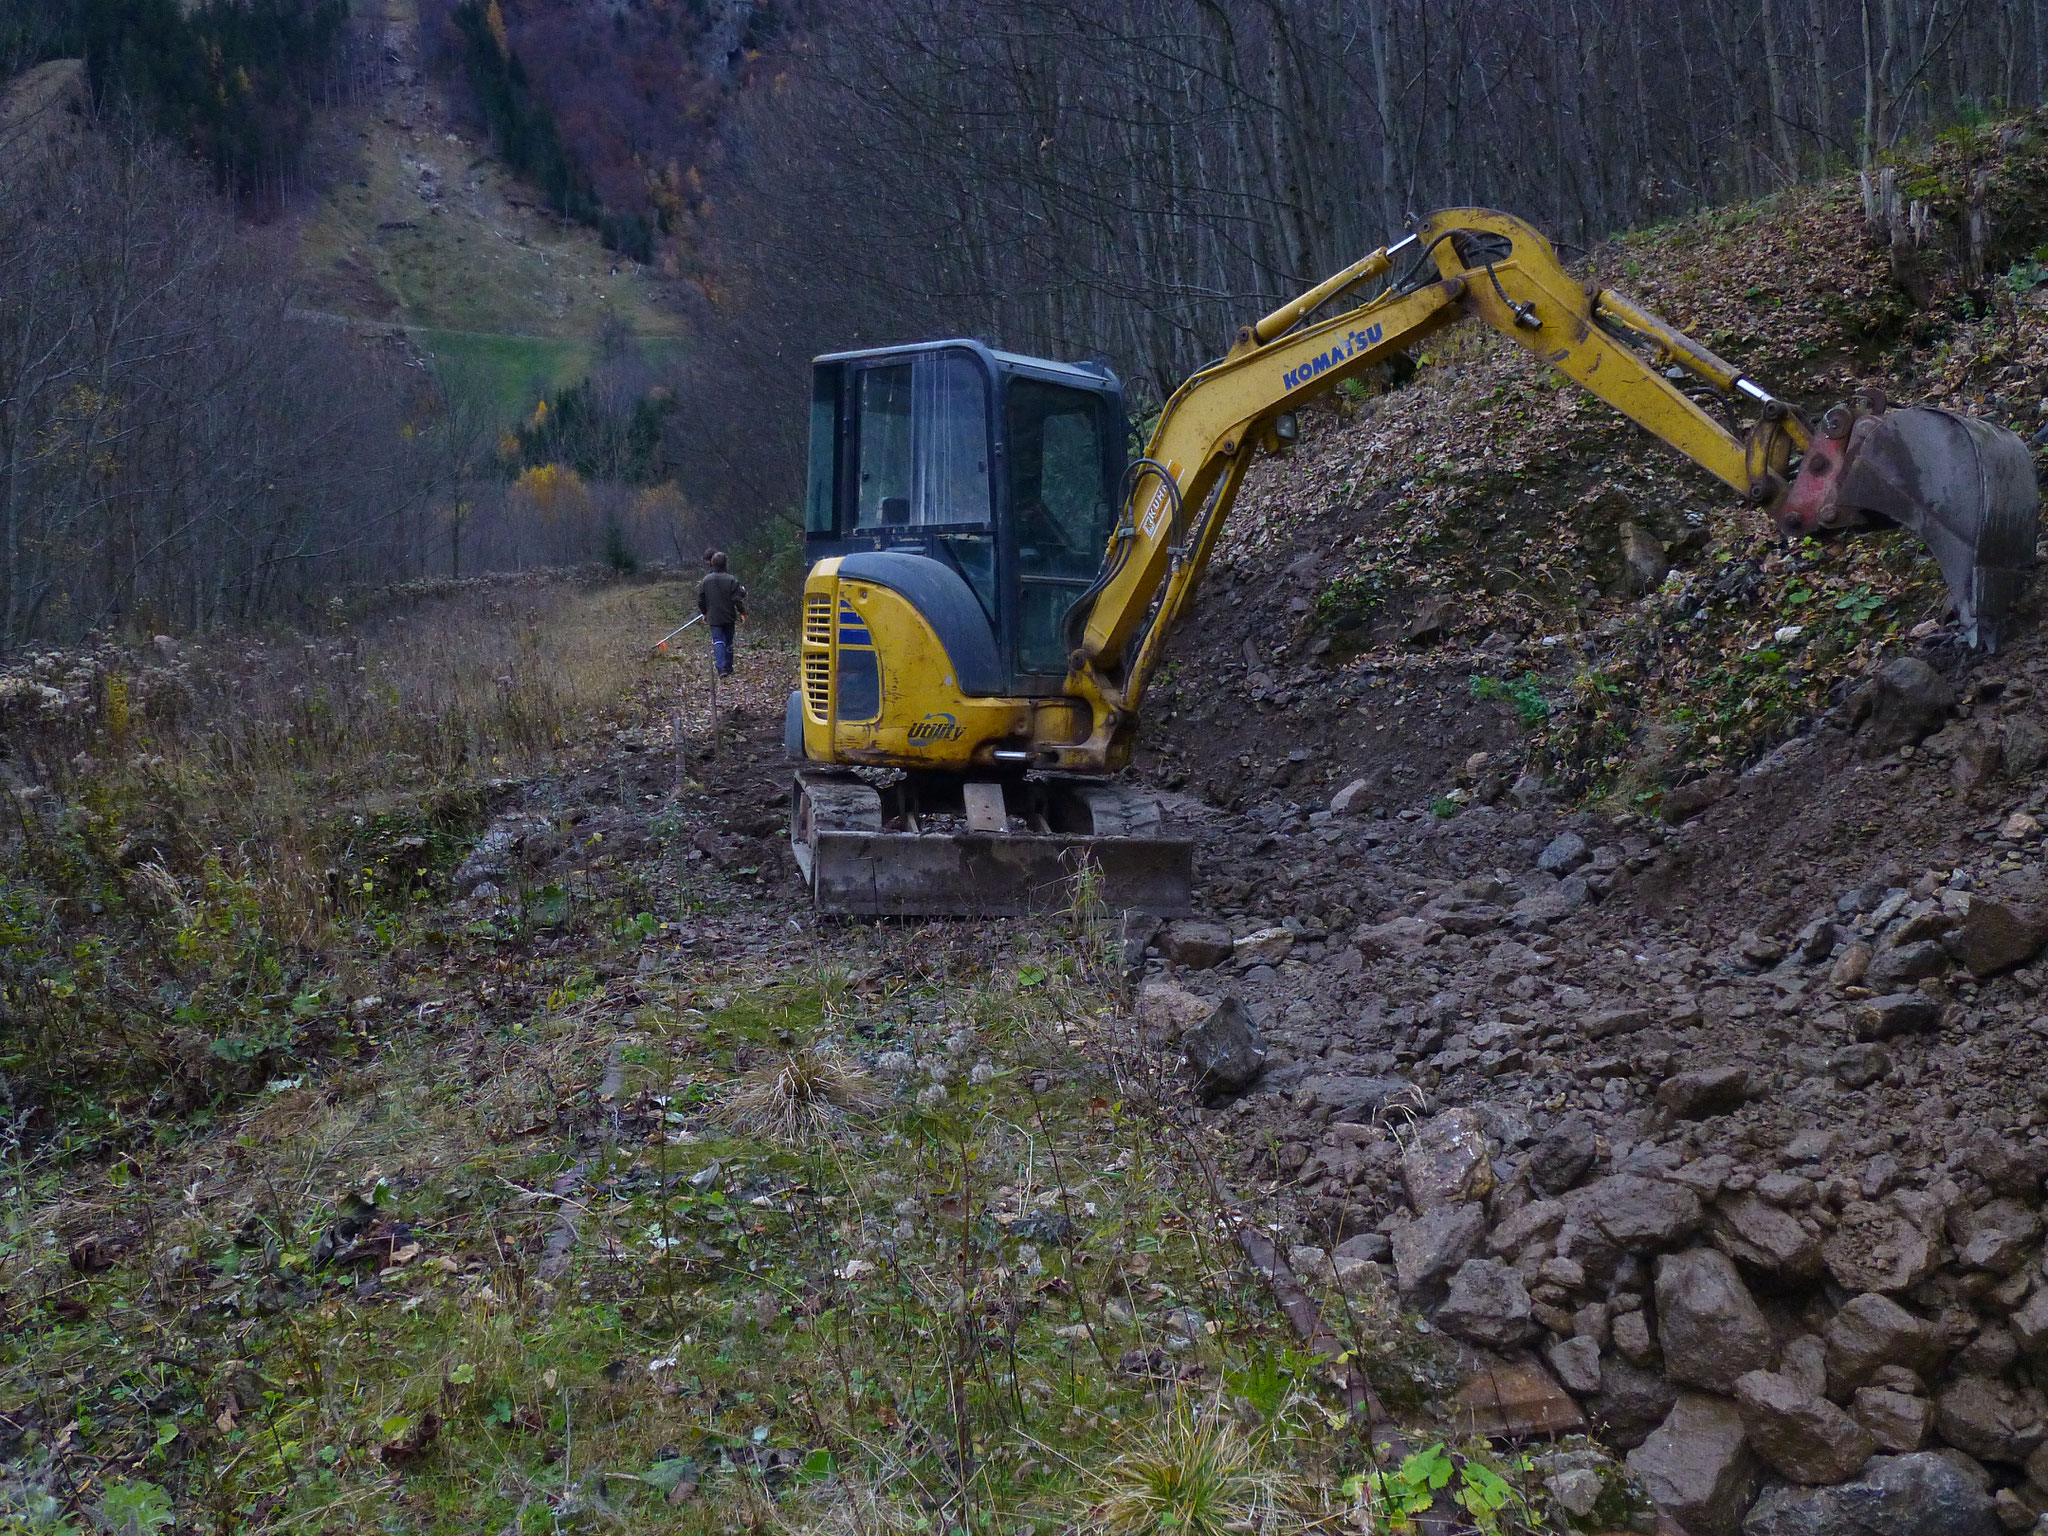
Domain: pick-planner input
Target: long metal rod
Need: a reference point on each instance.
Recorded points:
(664, 640)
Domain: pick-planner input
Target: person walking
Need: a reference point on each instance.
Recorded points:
(723, 602)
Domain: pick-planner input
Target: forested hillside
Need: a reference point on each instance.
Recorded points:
(1131, 182)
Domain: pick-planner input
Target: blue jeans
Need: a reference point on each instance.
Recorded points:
(721, 648)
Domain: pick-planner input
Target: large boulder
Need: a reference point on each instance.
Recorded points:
(1225, 1052)
(1798, 1432)
(1487, 1304)
(1195, 944)
(1705, 1093)
(1641, 1213)
(1907, 702)
(1871, 1331)
(1697, 1466)
(1632, 1402)
(1764, 1239)
(1708, 1324)
(1874, 1248)
(1894, 1014)
(1432, 1248)
(1988, 1419)
(1447, 1161)
(1563, 1154)
(1924, 1494)
(1995, 935)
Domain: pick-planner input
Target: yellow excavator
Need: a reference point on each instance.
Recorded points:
(993, 583)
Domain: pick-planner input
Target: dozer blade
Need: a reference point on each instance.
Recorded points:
(1968, 489)
(934, 868)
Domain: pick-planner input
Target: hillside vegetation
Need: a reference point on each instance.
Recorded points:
(1653, 629)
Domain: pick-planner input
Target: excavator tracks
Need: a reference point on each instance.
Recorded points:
(929, 847)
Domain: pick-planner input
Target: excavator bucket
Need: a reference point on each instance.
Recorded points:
(1966, 487)
(932, 849)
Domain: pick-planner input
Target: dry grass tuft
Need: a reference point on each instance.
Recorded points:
(806, 1096)
(1193, 1473)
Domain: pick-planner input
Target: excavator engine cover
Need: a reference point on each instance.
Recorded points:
(1965, 486)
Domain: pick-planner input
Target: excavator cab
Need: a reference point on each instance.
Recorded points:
(959, 508)
(1001, 471)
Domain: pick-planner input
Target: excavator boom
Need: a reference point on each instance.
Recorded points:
(994, 588)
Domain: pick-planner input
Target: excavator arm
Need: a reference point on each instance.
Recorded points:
(1462, 263)
(900, 664)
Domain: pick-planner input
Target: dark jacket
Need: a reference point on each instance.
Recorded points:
(721, 598)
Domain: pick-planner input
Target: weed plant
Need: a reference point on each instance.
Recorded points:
(205, 849)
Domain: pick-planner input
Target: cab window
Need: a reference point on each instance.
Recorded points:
(821, 510)
(1060, 506)
(884, 405)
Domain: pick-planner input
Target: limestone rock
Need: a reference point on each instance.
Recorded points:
(1710, 1091)
(1564, 854)
(1447, 1161)
(2026, 746)
(2030, 1325)
(1225, 1052)
(1688, 800)
(1764, 1239)
(1195, 944)
(1642, 1213)
(1908, 702)
(1355, 1099)
(1615, 1021)
(1851, 965)
(1875, 1249)
(1432, 1247)
(1577, 1363)
(1268, 946)
(1708, 1324)
(1871, 1331)
(1354, 798)
(1697, 1466)
(1993, 1236)
(1897, 1421)
(1897, 966)
(1799, 1433)
(1396, 937)
(1632, 1337)
(1897, 1013)
(1487, 1304)
(1563, 1155)
(1643, 559)
(1988, 1419)
(1631, 1402)
(1537, 1221)
(1919, 1495)
(1171, 1011)
(1858, 1066)
(1995, 935)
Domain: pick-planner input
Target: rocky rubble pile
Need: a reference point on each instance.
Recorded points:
(1714, 1137)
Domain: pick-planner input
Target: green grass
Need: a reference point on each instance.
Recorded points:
(507, 375)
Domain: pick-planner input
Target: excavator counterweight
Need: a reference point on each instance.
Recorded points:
(993, 583)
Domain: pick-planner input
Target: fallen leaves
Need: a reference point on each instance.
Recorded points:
(409, 1448)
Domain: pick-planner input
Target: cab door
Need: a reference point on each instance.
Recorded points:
(1058, 443)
